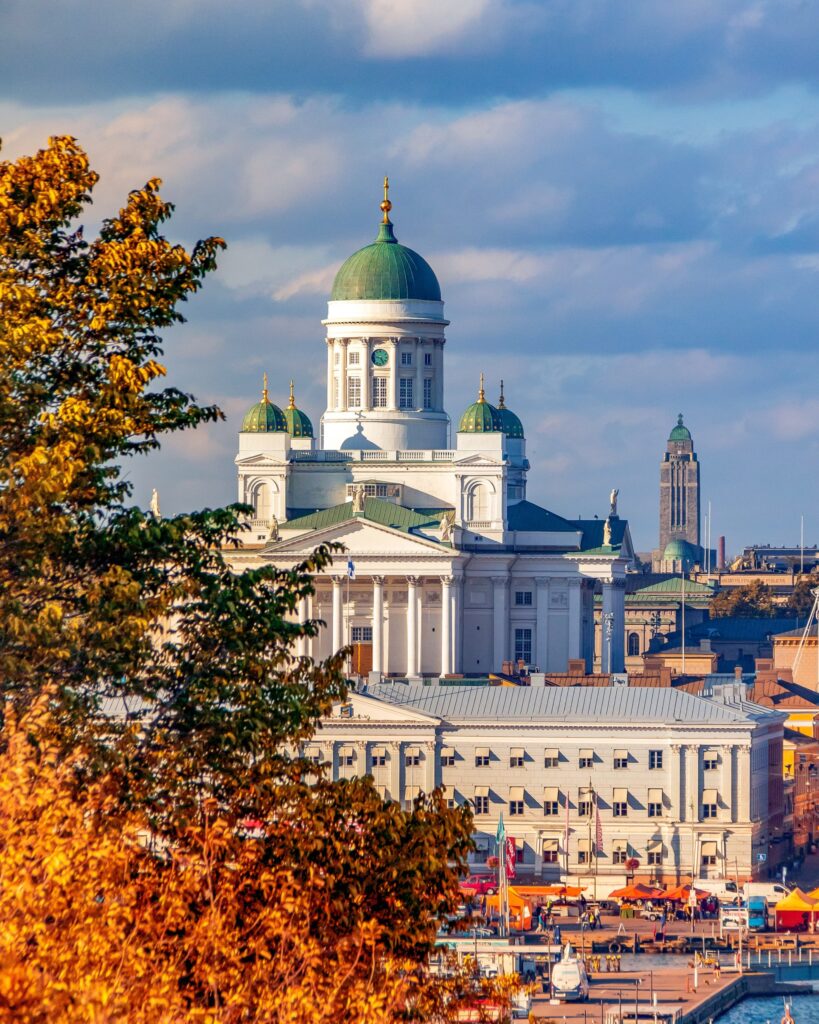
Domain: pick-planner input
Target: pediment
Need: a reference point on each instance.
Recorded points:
(363, 707)
(258, 460)
(359, 536)
(478, 460)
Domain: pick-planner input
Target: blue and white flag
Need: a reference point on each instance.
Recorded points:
(351, 568)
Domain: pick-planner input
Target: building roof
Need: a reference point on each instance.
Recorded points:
(592, 535)
(511, 422)
(657, 705)
(481, 417)
(527, 516)
(669, 590)
(678, 550)
(680, 432)
(385, 270)
(794, 632)
(377, 511)
(734, 627)
(782, 693)
(798, 738)
(298, 422)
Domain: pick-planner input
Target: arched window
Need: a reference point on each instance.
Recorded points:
(633, 645)
(477, 504)
(260, 500)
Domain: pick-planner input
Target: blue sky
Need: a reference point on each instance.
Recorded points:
(620, 201)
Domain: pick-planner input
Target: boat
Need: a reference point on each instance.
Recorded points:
(570, 982)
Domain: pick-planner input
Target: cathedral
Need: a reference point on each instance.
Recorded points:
(448, 569)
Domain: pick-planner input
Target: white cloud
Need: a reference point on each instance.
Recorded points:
(414, 28)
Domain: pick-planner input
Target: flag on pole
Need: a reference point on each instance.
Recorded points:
(566, 830)
(351, 568)
(501, 833)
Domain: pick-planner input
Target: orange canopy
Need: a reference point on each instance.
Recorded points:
(637, 891)
(682, 892)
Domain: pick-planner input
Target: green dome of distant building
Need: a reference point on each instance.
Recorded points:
(264, 417)
(680, 432)
(298, 423)
(510, 422)
(481, 417)
(680, 551)
(385, 269)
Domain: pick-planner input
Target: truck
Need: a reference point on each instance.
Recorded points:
(772, 892)
(725, 889)
(757, 913)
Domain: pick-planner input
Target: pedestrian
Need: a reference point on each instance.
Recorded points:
(661, 931)
(557, 935)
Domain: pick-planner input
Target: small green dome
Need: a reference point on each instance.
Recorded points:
(481, 417)
(680, 432)
(298, 423)
(511, 424)
(680, 551)
(385, 269)
(264, 417)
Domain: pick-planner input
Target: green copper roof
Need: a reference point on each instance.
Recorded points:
(298, 423)
(264, 417)
(377, 511)
(385, 270)
(680, 432)
(510, 423)
(481, 417)
(680, 551)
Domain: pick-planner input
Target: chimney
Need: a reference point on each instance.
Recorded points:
(705, 643)
(738, 673)
(721, 554)
(576, 667)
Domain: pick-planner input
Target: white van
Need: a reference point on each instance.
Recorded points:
(773, 892)
(723, 888)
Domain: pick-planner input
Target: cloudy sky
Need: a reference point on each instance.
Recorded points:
(620, 199)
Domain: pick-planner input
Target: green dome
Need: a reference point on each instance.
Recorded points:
(510, 423)
(298, 423)
(264, 417)
(680, 432)
(680, 551)
(385, 269)
(481, 417)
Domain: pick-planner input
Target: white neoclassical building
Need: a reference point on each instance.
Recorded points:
(682, 784)
(455, 571)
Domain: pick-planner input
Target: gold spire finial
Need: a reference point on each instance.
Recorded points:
(264, 388)
(501, 402)
(292, 403)
(386, 205)
(481, 392)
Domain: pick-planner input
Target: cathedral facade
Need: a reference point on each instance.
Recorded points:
(448, 568)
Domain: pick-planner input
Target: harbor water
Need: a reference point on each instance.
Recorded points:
(770, 1009)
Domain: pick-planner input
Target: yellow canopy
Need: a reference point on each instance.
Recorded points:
(814, 894)
(798, 902)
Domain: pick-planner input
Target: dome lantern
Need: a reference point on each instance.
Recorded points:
(264, 417)
(680, 432)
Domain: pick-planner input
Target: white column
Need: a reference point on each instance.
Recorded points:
(412, 627)
(342, 374)
(366, 375)
(500, 616)
(378, 623)
(418, 386)
(692, 782)
(338, 624)
(392, 383)
(575, 619)
(446, 625)
(301, 615)
(542, 622)
(331, 372)
(744, 783)
(618, 606)
(727, 786)
(438, 369)
(457, 626)
(676, 783)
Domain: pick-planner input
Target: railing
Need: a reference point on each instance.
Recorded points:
(372, 455)
(479, 524)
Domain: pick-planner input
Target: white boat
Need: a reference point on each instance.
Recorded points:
(570, 982)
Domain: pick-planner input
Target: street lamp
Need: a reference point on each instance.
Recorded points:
(608, 630)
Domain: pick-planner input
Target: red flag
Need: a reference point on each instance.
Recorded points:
(598, 831)
(511, 857)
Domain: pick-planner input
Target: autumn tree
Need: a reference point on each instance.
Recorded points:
(168, 686)
(752, 601)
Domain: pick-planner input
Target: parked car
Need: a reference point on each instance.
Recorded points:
(651, 914)
(480, 885)
(772, 892)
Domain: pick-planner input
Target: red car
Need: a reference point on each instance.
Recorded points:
(480, 885)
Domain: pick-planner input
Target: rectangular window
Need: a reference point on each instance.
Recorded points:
(447, 757)
(550, 854)
(709, 810)
(585, 803)
(410, 795)
(551, 801)
(515, 807)
(481, 757)
(406, 358)
(427, 392)
(427, 359)
(516, 801)
(355, 358)
(551, 758)
(709, 860)
(655, 759)
(586, 759)
(710, 761)
(655, 810)
(412, 757)
(379, 760)
(523, 597)
(523, 645)
(480, 801)
(517, 757)
(583, 852)
(620, 759)
(354, 392)
(655, 857)
(346, 757)
(362, 634)
(405, 393)
(619, 803)
(379, 392)
(619, 854)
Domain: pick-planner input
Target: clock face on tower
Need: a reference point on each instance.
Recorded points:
(380, 357)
